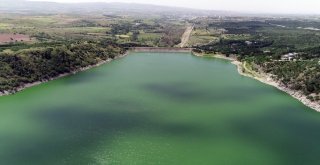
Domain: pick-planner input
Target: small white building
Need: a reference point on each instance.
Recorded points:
(289, 56)
(248, 42)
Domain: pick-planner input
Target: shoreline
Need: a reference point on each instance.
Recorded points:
(160, 49)
(137, 49)
(266, 79)
(29, 85)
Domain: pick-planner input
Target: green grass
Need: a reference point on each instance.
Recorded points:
(5, 25)
(149, 36)
(151, 39)
(237, 36)
(299, 38)
(78, 30)
(201, 36)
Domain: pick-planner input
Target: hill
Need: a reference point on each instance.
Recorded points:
(18, 6)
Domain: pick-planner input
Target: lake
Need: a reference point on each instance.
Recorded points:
(159, 109)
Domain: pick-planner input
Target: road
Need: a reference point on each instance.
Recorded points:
(186, 36)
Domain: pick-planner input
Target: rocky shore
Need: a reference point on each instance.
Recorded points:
(267, 79)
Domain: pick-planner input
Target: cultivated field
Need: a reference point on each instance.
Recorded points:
(10, 38)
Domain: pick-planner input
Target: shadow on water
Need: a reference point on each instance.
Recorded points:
(187, 92)
(289, 133)
(83, 77)
(72, 131)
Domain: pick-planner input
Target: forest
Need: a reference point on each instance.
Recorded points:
(43, 63)
(263, 43)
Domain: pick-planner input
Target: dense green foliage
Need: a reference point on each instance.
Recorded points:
(39, 64)
(256, 38)
(300, 75)
(263, 43)
(239, 47)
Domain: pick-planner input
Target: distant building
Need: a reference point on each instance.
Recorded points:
(289, 56)
(248, 42)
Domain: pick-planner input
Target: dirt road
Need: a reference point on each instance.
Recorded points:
(185, 37)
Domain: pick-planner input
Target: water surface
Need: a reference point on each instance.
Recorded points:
(161, 109)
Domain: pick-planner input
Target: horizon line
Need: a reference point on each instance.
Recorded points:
(182, 7)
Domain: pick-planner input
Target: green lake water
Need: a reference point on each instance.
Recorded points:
(157, 109)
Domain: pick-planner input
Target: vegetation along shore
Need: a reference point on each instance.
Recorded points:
(35, 48)
(34, 66)
(268, 79)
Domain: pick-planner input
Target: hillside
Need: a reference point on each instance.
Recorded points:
(13, 6)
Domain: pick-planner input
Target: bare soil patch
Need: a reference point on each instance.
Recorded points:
(7, 38)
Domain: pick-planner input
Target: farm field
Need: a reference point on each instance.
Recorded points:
(10, 38)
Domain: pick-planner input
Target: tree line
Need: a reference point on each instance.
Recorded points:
(39, 64)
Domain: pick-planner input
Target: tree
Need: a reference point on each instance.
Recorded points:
(135, 36)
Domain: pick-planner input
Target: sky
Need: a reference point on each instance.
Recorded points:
(259, 6)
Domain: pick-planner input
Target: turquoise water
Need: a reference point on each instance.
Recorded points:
(153, 108)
